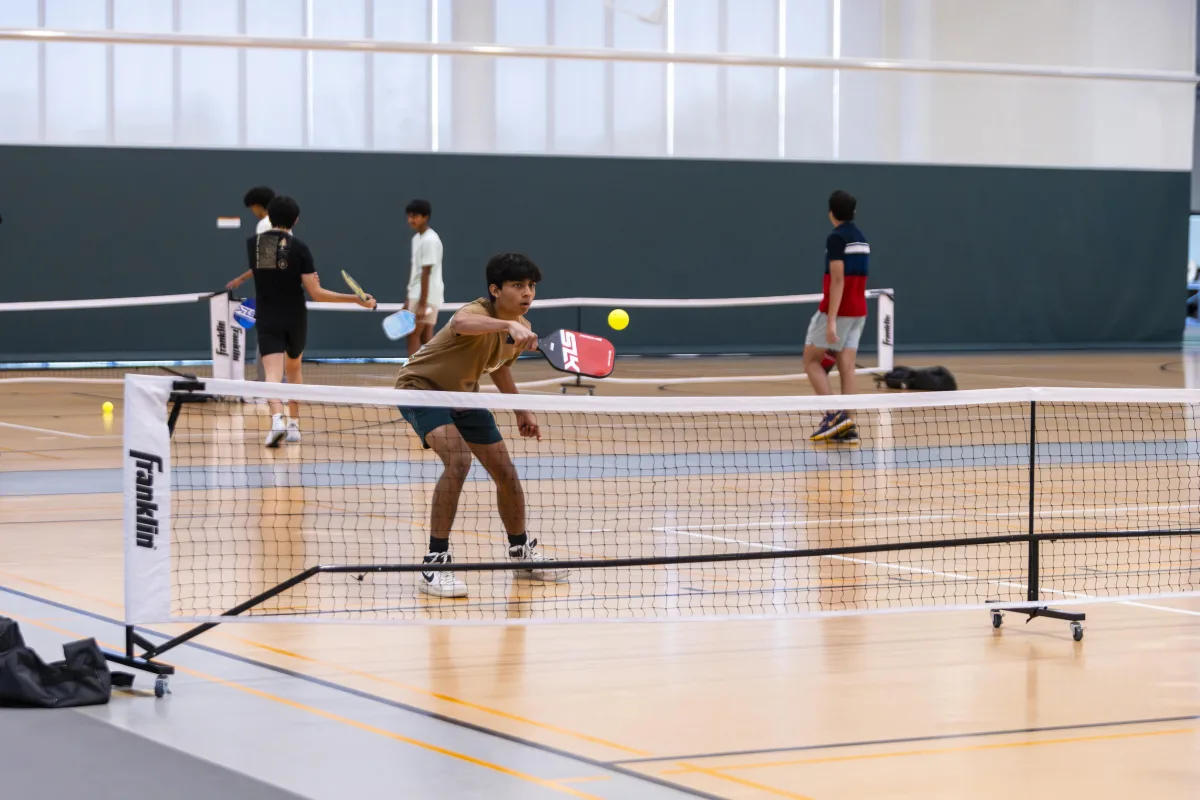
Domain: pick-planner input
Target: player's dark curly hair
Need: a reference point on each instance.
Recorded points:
(842, 205)
(421, 207)
(511, 267)
(259, 196)
(283, 211)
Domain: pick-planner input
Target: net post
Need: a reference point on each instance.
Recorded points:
(1032, 592)
(887, 332)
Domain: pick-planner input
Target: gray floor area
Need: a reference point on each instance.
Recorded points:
(105, 761)
(229, 719)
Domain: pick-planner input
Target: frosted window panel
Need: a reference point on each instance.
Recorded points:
(808, 119)
(652, 12)
(143, 101)
(808, 24)
(580, 95)
(751, 115)
(521, 84)
(208, 98)
(275, 113)
(18, 75)
(143, 76)
(444, 76)
(153, 16)
(697, 26)
(208, 77)
(339, 80)
(208, 16)
(76, 76)
(402, 103)
(1148, 34)
(521, 21)
(1142, 126)
(698, 111)
(77, 14)
(639, 90)
(19, 14)
(750, 27)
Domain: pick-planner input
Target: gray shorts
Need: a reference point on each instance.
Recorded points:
(849, 331)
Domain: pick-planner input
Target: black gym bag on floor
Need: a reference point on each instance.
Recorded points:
(81, 679)
(928, 379)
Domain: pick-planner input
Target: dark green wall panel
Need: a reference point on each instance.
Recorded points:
(978, 256)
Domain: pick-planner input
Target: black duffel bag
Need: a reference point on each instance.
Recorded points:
(927, 379)
(81, 679)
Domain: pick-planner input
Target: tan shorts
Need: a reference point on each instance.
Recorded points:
(429, 318)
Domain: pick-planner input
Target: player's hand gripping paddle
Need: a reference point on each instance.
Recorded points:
(578, 353)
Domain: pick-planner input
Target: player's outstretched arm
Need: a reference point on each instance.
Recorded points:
(239, 280)
(526, 422)
(312, 285)
(478, 324)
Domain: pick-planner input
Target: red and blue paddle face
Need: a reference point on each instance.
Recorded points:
(579, 353)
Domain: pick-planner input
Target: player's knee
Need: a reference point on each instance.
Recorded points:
(457, 466)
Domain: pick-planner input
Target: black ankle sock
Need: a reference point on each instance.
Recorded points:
(518, 540)
(437, 545)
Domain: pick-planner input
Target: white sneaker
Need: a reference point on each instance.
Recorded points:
(293, 431)
(277, 432)
(541, 568)
(441, 584)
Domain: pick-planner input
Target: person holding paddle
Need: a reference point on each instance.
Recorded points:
(283, 270)
(486, 336)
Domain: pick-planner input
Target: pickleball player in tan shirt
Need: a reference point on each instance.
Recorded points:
(474, 343)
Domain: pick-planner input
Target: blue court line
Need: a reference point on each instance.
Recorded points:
(545, 748)
(608, 467)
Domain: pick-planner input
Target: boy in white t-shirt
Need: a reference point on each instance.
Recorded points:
(426, 293)
(257, 200)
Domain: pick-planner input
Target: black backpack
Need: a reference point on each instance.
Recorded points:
(927, 379)
(81, 679)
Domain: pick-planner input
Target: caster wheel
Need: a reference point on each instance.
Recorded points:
(997, 619)
(1076, 631)
(161, 687)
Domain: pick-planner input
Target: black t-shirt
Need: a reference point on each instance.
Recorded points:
(278, 259)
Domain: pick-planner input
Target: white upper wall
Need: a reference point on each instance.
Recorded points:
(164, 96)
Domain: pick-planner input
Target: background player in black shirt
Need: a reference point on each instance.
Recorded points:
(283, 271)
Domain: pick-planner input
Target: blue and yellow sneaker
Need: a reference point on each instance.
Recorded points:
(833, 423)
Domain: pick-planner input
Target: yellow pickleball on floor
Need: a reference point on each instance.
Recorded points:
(107, 407)
(618, 319)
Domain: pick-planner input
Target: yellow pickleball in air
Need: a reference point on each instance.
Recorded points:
(107, 407)
(618, 319)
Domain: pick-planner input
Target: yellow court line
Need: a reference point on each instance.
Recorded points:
(932, 751)
(762, 787)
(370, 676)
(546, 783)
(439, 696)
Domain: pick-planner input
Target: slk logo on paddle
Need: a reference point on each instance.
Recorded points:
(570, 352)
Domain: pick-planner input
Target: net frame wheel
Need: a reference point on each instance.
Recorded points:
(1077, 631)
(997, 619)
(161, 686)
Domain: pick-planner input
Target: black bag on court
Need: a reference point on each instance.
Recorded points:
(927, 379)
(81, 679)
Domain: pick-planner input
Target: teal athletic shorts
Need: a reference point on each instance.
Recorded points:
(476, 425)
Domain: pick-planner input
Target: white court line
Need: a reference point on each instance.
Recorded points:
(875, 518)
(951, 575)
(56, 433)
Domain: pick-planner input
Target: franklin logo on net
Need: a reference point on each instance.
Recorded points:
(146, 464)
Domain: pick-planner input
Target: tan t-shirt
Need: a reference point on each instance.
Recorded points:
(454, 362)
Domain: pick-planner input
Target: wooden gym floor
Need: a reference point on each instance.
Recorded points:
(924, 705)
